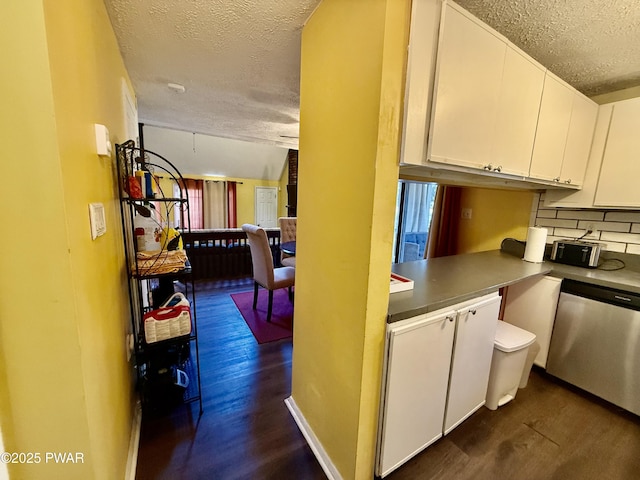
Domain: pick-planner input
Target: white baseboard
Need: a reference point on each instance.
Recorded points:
(321, 455)
(134, 443)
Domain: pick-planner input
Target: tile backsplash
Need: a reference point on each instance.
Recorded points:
(617, 231)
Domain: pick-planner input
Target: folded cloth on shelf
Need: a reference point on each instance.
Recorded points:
(159, 262)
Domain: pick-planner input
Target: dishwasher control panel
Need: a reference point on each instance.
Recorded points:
(608, 295)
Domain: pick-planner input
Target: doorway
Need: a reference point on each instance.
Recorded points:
(266, 207)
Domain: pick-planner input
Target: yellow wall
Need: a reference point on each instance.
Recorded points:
(496, 215)
(63, 298)
(245, 194)
(353, 56)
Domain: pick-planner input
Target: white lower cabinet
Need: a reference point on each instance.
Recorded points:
(471, 361)
(435, 376)
(417, 375)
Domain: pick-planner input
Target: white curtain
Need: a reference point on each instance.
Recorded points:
(215, 204)
(419, 199)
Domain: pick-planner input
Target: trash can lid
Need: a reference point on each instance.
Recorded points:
(510, 338)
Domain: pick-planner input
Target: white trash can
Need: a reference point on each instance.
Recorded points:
(510, 351)
(534, 348)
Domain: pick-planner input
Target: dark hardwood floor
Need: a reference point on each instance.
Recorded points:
(550, 431)
(246, 431)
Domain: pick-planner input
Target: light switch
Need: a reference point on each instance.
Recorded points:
(98, 222)
(103, 143)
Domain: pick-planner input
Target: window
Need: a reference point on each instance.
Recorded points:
(414, 211)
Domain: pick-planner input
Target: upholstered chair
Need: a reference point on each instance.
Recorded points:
(287, 234)
(264, 273)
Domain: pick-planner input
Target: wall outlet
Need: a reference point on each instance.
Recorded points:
(466, 213)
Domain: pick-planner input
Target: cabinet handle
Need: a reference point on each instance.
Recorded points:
(567, 181)
(451, 319)
(498, 168)
(472, 312)
(488, 167)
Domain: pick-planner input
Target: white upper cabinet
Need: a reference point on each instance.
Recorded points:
(467, 90)
(583, 198)
(475, 103)
(620, 170)
(421, 65)
(517, 117)
(565, 132)
(553, 127)
(579, 139)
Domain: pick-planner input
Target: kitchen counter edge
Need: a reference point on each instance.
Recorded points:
(445, 281)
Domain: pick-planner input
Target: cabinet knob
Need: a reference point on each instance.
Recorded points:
(488, 167)
(567, 181)
(451, 319)
(557, 179)
(472, 312)
(498, 168)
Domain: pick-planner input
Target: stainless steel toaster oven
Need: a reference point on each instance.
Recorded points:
(577, 253)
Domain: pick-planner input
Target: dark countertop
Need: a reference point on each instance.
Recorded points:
(626, 279)
(445, 281)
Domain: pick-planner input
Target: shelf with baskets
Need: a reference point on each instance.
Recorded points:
(155, 214)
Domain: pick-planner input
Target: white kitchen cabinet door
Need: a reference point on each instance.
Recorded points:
(531, 305)
(421, 61)
(579, 139)
(618, 182)
(584, 197)
(467, 89)
(471, 363)
(553, 127)
(415, 389)
(517, 116)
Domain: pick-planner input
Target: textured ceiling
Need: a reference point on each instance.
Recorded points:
(239, 60)
(594, 45)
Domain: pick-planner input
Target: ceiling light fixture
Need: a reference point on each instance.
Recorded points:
(176, 87)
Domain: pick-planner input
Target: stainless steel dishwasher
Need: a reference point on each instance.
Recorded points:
(595, 343)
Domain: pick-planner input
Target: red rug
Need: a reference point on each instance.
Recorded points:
(281, 325)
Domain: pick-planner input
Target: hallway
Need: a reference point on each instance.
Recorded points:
(246, 431)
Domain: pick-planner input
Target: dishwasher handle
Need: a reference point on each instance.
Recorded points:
(603, 294)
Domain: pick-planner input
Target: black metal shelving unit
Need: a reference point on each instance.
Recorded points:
(158, 364)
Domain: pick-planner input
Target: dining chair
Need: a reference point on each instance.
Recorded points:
(287, 234)
(264, 273)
